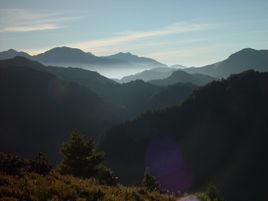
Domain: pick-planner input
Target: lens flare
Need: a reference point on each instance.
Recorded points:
(165, 161)
(55, 90)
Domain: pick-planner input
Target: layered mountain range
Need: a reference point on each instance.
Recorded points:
(42, 104)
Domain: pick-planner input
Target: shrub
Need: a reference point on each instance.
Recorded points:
(12, 164)
(40, 165)
(211, 194)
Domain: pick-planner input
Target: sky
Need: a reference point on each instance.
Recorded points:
(186, 32)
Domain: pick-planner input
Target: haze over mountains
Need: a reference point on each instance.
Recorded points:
(72, 57)
(66, 56)
(151, 74)
(238, 62)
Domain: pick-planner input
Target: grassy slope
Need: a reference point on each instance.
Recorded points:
(56, 187)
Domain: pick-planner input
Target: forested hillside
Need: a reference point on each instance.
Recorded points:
(219, 134)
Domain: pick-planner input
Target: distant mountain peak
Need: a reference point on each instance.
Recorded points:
(245, 51)
(129, 57)
(124, 54)
(21, 58)
(65, 49)
(11, 53)
(11, 50)
(68, 55)
(248, 50)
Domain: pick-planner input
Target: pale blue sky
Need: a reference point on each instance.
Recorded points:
(187, 32)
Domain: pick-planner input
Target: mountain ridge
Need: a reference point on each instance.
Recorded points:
(151, 74)
(180, 76)
(245, 59)
(67, 56)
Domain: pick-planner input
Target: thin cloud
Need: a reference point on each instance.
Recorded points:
(133, 40)
(127, 37)
(22, 20)
(27, 28)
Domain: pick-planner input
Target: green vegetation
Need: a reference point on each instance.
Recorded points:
(81, 159)
(211, 194)
(81, 176)
(14, 165)
(35, 180)
(57, 187)
(149, 181)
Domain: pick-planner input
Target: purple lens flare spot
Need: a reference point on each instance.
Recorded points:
(165, 161)
(55, 90)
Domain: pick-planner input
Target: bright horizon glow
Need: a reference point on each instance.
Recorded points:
(189, 33)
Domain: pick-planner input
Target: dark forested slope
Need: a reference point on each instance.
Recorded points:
(219, 134)
(38, 110)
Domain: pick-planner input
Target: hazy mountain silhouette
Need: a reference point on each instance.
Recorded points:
(41, 104)
(96, 82)
(245, 59)
(172, 95)
(66, 56)
(151, 74)
(12, 53)
(133, 97)
(220, 131)
(143, 61)
(38, 110)
(180, 76)
(91, 79)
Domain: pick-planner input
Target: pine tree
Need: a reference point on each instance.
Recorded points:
(149, 181)
(213, 193)
(81, 159)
